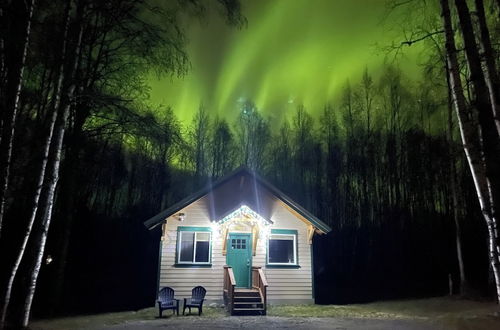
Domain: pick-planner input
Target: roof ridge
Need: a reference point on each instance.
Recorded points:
(158, 218)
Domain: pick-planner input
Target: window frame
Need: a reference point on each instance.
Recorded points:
(196, 231)
(284, 232)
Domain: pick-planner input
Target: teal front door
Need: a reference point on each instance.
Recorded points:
(239, 257)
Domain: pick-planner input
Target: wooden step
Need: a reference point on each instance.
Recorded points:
(248, 311)
(248, 305)
(248, 302)
(248, 299)
(245, 290)
(246, 293)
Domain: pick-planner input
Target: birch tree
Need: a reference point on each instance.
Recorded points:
(53, 171)
(464, 285)
(472, 138)
(491, 74)
(43, 166)
(10, 90)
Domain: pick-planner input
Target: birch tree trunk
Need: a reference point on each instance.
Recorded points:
(471, 140)
(489, 135)
(3, 33)
(490, 139)
(53, 174)
(41, 236)
(41, 174)
(464, 287)
(491, 74)
(12, 87)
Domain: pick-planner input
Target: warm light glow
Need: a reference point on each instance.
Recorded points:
(244, 210)
(247, 215)
(216, 229)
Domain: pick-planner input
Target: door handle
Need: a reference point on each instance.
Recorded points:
(248, 262)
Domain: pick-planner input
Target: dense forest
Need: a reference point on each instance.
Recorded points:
(85, 159)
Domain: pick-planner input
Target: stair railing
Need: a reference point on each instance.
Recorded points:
(229, 285)
(259, 282)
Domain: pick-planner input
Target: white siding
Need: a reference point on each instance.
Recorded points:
(285, 284)
(182, 280)
(290, 284)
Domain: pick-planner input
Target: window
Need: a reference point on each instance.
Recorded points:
(282, 247)
(239, 243)
(193, 246)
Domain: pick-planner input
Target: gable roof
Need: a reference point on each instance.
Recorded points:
(242, 171)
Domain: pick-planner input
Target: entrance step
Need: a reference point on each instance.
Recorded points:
(248, 302)
(253, 305)
(248, 311)
(246, 293)
(247, 299)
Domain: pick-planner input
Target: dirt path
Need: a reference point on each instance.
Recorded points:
(272, 322)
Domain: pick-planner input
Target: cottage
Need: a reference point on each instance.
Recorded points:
(243, 240)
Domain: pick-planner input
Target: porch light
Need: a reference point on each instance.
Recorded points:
(265, 231)
(216, 229)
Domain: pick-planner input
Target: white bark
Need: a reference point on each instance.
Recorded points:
(491, 75)
(489, 135)
(471, 138)
(12, 109)
(53, 177)
(41, 237)
(2, 61)
(41, 177)
(453, 183)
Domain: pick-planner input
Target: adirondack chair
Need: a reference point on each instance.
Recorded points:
(196, 300)
(166, 300)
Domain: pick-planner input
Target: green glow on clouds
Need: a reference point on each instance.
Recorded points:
(292, 52)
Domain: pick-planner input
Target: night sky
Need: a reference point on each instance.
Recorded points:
(291, 52)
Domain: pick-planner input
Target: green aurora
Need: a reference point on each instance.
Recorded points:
(291, 52)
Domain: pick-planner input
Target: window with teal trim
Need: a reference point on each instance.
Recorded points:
(282, 247)
(194, 247)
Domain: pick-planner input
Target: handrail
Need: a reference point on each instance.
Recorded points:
(229, 285)
(231, 276)
(259, 282)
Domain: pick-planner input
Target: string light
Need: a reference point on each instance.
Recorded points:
(248, 215)
(244, 210)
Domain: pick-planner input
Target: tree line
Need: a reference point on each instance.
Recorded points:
(381, 165)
